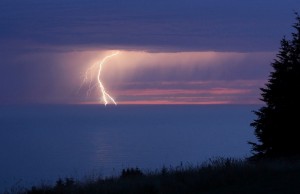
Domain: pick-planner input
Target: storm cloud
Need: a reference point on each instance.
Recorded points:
(170, 25)
(46, 45)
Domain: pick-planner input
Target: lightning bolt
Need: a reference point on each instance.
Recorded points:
(89, 74)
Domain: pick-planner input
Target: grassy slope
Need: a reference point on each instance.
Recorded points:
(217, 176)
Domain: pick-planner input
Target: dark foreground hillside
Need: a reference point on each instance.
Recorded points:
(215, 176)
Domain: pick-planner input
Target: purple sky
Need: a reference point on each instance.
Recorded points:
(172, 51)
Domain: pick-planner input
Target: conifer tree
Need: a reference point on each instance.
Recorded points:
(276, 126)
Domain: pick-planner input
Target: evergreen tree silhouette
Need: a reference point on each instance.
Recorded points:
(277, 124)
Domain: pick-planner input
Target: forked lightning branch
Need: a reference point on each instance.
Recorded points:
(94, 80)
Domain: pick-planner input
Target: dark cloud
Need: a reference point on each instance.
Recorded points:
(34, 33)
(34, 79)
(229, 25)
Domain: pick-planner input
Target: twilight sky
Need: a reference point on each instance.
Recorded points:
(171, 51)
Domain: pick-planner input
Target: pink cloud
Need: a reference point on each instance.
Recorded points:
(177, 78)
(210, 92)
(172, 92)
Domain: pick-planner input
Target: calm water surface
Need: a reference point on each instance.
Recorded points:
(42, 143)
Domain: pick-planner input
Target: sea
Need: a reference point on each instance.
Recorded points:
(41, 143)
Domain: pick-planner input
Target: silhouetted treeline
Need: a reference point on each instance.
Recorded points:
(277, 123)
(220, 176)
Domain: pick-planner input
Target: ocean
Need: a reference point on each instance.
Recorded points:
(41, 143)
